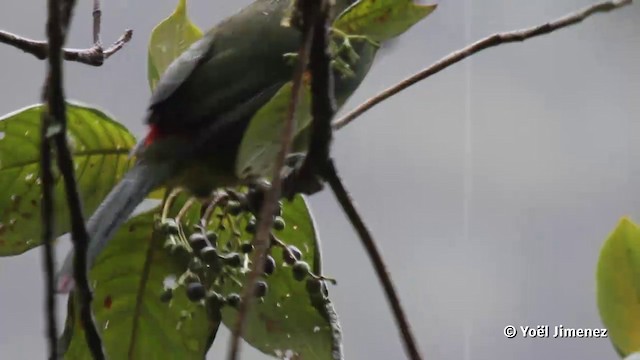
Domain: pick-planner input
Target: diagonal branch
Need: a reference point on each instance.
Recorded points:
(54, 128)
(488, 42)
(312, 11)
(343, 197)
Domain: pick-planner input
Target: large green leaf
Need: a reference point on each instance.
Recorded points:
(618, 286)
(381, 20)
(100, 148)
(128, 279)
(263, 138)
(289, 320)
(169, 39)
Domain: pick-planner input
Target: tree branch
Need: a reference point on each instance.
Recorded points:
(488, 42)
(54, 126)
(93, 56)
(97, 21)
(323, 108)
(47, 214)
(312, 11)
(343, 197)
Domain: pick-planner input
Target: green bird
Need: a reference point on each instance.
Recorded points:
(201, 108)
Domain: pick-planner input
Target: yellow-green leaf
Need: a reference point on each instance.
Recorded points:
(618, 286)
(262, 139)
(381, 20)
(100, 148)
(169, 39)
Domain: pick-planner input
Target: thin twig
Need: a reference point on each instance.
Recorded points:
(488, 42)
(311, 10)
(57, 24)
(91, 56)
(369, 243)
(97, 21)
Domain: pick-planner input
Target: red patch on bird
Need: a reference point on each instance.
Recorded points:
(107, 302)
(154, 133)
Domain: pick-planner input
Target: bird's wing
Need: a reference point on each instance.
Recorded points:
(239, 58)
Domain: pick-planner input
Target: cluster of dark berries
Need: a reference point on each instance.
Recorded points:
(196, 291)
(202, 245)
(251, 201)
(269, 262)
(278, 224)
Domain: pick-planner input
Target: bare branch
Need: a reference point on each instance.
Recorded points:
(343, 197)
(312, 11)
(47, 214)
(488, 42)
(54, 127)
(93, 56)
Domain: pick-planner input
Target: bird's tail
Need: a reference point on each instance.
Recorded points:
(137, 183)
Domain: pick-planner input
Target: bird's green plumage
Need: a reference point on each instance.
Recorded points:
(202, 106)
(242, 58)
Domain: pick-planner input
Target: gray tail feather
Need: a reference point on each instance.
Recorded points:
(114, 210)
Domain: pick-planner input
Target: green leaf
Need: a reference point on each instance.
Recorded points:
(100, 148)
(290, 318)
(262, 139)
(381, 20)
(128, 279)
(168, 40)
(618, 287)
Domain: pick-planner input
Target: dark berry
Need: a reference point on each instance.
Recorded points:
(246, 247)
(191, 278)
(215, 300)
(179, 250)
(233, 300)
(234, 208)
(261, 289)
(209, 254)
(166, 295)
(195, 264)
(255, 198)
(197, 241)
(300, 270)
(170, 226)
(291, 256)
(269, 265)
(251, 226)
(196, 291)
(233, 259)
(278, 223)
(212, 236)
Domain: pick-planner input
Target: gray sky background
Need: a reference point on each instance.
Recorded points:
(490, 187)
